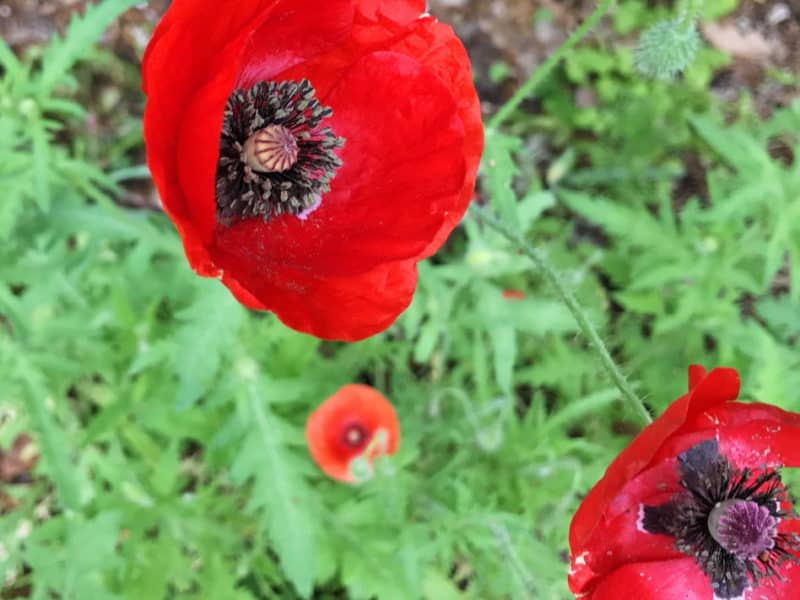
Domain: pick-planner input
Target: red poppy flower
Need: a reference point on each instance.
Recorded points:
(694, 507)
(356, 422)
(311, 152)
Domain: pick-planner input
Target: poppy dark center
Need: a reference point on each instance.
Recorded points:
(275, 155)
(727, 518)
(354, 435)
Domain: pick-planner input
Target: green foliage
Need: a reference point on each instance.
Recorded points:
(277, 486)
(170, 419)
(710, 260)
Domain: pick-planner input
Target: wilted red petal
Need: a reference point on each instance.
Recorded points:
(352, 404)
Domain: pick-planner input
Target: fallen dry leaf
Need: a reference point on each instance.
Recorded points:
(16, 463)
(728, 38)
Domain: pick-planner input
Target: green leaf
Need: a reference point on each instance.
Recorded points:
(500, 170)
(83, 32)
(55, 447)
(75, 566)
(279, 494)
(42, 160)
(208, 332)
(734, 145)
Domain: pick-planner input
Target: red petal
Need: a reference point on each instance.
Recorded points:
(719, 386)
(403, 170)
(775, 588)
(677, 579)
(400, 11)
(739, 413)
(682, 441)
(617, 538)
(334, 308)
(438, 48)
(754, 434)
(761, 443)
(696, 375)
(301, 29)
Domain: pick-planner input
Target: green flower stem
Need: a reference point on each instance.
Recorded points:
(568, 298)
(541, 73)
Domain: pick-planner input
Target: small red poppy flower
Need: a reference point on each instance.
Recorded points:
(350, 429)
(694, 508)
(311, 152)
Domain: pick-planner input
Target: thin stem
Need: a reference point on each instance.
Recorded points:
(541, 73)
(568, 298)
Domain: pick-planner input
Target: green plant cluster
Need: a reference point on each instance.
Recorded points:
(170, 420)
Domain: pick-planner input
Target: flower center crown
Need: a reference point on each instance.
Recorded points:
(275, 156)
(727, 518)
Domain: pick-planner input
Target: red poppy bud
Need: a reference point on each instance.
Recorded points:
(694, 507)
(311, 152)
(357, 422)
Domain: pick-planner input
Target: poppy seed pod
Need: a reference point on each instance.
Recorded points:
(311, 152)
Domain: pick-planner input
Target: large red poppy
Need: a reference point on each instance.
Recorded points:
(694, 508)
(356, 422)
(311, 152)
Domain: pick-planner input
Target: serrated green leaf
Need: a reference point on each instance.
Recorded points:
(279, 494)
(205, 338)
(55, 446)
(500, 170)
(734, 145)
(83, 32)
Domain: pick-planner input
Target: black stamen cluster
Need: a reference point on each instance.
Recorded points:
(241, 192)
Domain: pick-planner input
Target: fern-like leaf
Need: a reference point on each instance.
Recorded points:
(83, 33)
(209, 329)
(279, 494)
